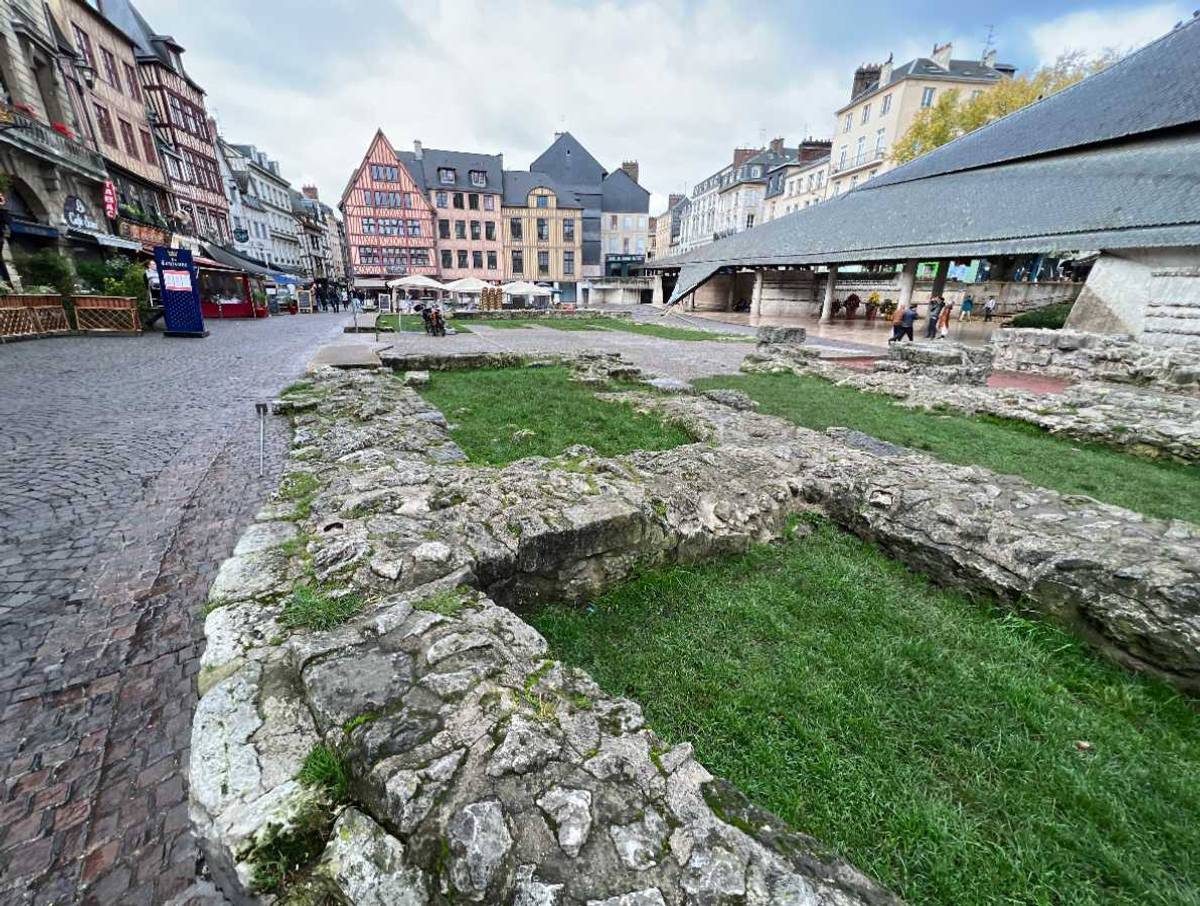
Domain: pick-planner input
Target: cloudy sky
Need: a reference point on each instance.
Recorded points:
(673, 84)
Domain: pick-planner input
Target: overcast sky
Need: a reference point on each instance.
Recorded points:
(674, 85)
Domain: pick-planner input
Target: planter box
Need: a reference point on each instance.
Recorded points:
(107, 314)
(32, 315)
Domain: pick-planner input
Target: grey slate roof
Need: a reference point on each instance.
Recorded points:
(519, 183)
(425, 170)
(567, 161)
(148, 42)
(1094, 192)
(620, 194)
(925, 68)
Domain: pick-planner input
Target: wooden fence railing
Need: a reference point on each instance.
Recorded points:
(106, 314)
(32, 315)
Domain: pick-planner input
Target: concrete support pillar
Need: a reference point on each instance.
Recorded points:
(827, 304)
(939, 278)
(756, 304)
(908, 278)
(729, 300)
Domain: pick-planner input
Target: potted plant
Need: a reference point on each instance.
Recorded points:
(63, 129)
(872, 306)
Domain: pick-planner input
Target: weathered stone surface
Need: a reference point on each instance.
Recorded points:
(944, 362)
(479, 841)
(570, 811)
(792, 336)
(367, 865)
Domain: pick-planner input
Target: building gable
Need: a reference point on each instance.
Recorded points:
(569, 162)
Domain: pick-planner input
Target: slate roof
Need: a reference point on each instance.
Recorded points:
(620, 193)
(570, 163)
(925, 68)
(148, 43)
(425, 170)
(1124, 175)
(519, 183)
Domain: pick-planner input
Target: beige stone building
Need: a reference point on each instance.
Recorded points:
(884, 100)
(543, 230)
(796, 185)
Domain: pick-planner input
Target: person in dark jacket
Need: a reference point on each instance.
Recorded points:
(936, 305)
(907, 320)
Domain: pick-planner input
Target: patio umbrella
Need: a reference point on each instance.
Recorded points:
(416, 281)
(524, 288)
(466, 285)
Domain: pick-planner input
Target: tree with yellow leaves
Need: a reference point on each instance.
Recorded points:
(947, 119)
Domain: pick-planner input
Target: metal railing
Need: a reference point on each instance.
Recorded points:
(867, 157)
(26, 132)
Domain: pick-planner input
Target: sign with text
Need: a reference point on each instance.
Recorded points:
(180, 292)
(110, 200)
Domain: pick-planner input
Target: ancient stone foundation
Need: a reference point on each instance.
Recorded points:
(946, 363)
(479, 770)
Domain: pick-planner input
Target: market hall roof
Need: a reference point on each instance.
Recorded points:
(1121, 173)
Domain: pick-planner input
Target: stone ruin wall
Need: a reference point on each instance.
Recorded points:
(482, 771)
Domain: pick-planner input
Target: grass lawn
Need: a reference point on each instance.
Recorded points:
(503, 414)
(961, 754)
(412, 323)
(664, 331)
(1164, 489)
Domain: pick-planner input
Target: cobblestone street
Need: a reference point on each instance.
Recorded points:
(128, 467)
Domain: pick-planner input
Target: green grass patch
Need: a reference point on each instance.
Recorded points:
(315, 608)
(324, 769)
(301, 489)
(663, 331)
(409, 323)
(505, 324)
(448, 602)
(961, 754)
(297, 388)
(504, 414)
(1156, 488)
(1050, 316)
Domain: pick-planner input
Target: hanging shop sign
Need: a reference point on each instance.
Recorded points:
(110, 200)
(77, 215)
(241, 234)
(142, 232)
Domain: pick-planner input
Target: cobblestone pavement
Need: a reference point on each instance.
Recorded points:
(128, 468)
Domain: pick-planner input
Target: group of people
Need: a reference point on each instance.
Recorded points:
(331, 298)
(435, 321)
(940, 310)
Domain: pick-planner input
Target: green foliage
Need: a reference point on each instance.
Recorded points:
(501, 415)
(947, 119)
(1052, 317)
(663, 331)
(324, 769)
(282, 852)
(1164, 489)
(360, 720)
(318, 609)
(412, 323)
(47, 268)
(932, 739)
(300, 488)
(115, 276)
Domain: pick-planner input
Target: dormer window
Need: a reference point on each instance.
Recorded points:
(478, 178)
(446, 176)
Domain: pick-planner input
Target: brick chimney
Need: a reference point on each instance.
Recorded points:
(885, 71)
(865, 78)
(418, 152)
(941, 55)
(777, 145)
(813, 149)
(310, 192)
(631, 169)
(674, 199)
(741, 155)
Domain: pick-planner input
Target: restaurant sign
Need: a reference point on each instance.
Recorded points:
(241, 234)
(77, 215)
(142, 232)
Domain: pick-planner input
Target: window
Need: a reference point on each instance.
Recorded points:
(462, 258)
(406, 200)
(518, 261)
(860, 149)
(612, 222)
(460, 229)
(543, 201)
(886, 105)
(477, 260)
(128, 138)
(419, 257)
(628, 222)
(568, 263)
(853, 181)
(475, 233)
(849, 124)
(441, 199)
(148, 148)
(489, 230)
(842, 156)
(131, 82)
(443, 229)
(643, 223)
(489, 203)
(491, 260)
(368, 254)
(446, 176)
(569, 229)
(473, 201)
(866, 114)
(85, 44)
(447, 259)
(384, 173)
(543, 229)
(458, 200)
(414, 228)
(478, 178)
(879, 141)
(749, 221)
(927, 97)
(543, 263)
(515, 228)
(104, 121)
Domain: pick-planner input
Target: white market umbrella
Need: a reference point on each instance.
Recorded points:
(524, 288)
(415, 281)
(467, 285)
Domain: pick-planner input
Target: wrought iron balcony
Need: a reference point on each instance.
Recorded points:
(23, 131)
(867, 157)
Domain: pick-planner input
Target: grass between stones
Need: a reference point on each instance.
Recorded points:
(324, 769)
(499, 415)
(318, 609)
(664, 331)
(1163, 489)
(961, 754)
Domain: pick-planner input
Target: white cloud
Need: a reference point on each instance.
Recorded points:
(1094, 30)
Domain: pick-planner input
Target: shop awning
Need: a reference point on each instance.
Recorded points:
(107, 239)
(233, 259)
(287, 279)
(29, 228)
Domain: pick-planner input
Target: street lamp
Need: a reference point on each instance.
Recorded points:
(86, 71)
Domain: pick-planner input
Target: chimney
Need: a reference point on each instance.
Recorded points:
(866, 77)
(673, 199)
(310, 192)
(741, 155)
(989, 58)
(631, 169)
(777, 145)
(418, 153)
(941, 55)
(885, 71)
(813, 149)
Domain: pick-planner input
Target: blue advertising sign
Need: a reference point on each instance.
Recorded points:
(180, 289)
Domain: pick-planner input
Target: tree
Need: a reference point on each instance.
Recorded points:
(948, 119)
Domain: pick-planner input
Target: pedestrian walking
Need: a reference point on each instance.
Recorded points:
(427, 317)
(907, 319)
(989, 308)
(968, 305)
(936, 304)
(943, 323)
